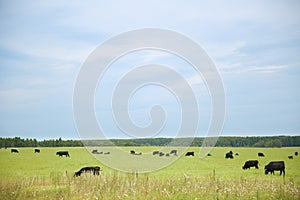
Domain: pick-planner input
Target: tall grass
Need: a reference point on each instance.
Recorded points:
(45, 176)
(141, 186)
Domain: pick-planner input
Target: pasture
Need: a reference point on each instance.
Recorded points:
(44, 175)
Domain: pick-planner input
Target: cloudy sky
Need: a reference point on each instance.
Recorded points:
(254, 45)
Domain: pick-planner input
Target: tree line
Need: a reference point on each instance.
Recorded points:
(270, 141)
(21, 142)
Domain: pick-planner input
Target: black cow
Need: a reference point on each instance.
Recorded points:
(95, 151)
(209, 154)
(161, 153)
(261, 154)
(290, 157)
(174, 152)
(190, 153)
(229, 155)
(236, 154)
(275, 166)
(106, 153)
(167, 154)
(63, 153)
(14, 151)
(95, 170)
(296, 153)
(37, 151)
(132, 152)
(155, 153)
(250, 163)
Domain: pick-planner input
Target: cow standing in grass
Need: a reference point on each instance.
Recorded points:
(229, 155)
(132, 152)
(174, 151)
(161, 153)
(95, 151)
(95, 170)
(275, 166)
(37, 151)
(261, 154)
(250, 163)
(14, 151)
(63, 153)
(190, 153)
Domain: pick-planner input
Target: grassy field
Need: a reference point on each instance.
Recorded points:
(46, 176)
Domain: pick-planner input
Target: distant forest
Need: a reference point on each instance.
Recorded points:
(274, 141)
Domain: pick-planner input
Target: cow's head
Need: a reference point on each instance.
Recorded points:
(77, 173)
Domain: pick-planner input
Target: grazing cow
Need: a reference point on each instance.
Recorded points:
(250, 163)
(190, 153)
(63, 153)
(290, 157)
(95, 151)
(236, 154)
(209, 154)
(174, 152)
(167, 154)
(132, 152)
(161, 153)
(275, 166)
(107, 153)
(95, 170)
(37, 151)
(296, 153)
(261, 154)
(155, 153)
(14, 151)
(229, 155)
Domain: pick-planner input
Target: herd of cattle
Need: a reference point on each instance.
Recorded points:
(95, 170)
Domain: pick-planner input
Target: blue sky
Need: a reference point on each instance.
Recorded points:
(255, 46)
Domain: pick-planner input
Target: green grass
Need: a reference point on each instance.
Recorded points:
(46, 176)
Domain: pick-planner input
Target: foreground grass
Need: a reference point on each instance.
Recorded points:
(46, 176)
(134, 186)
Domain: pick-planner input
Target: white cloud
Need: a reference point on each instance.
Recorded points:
(237, 69)
(267, 69)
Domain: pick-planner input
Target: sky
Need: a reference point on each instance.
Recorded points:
(255, 47)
